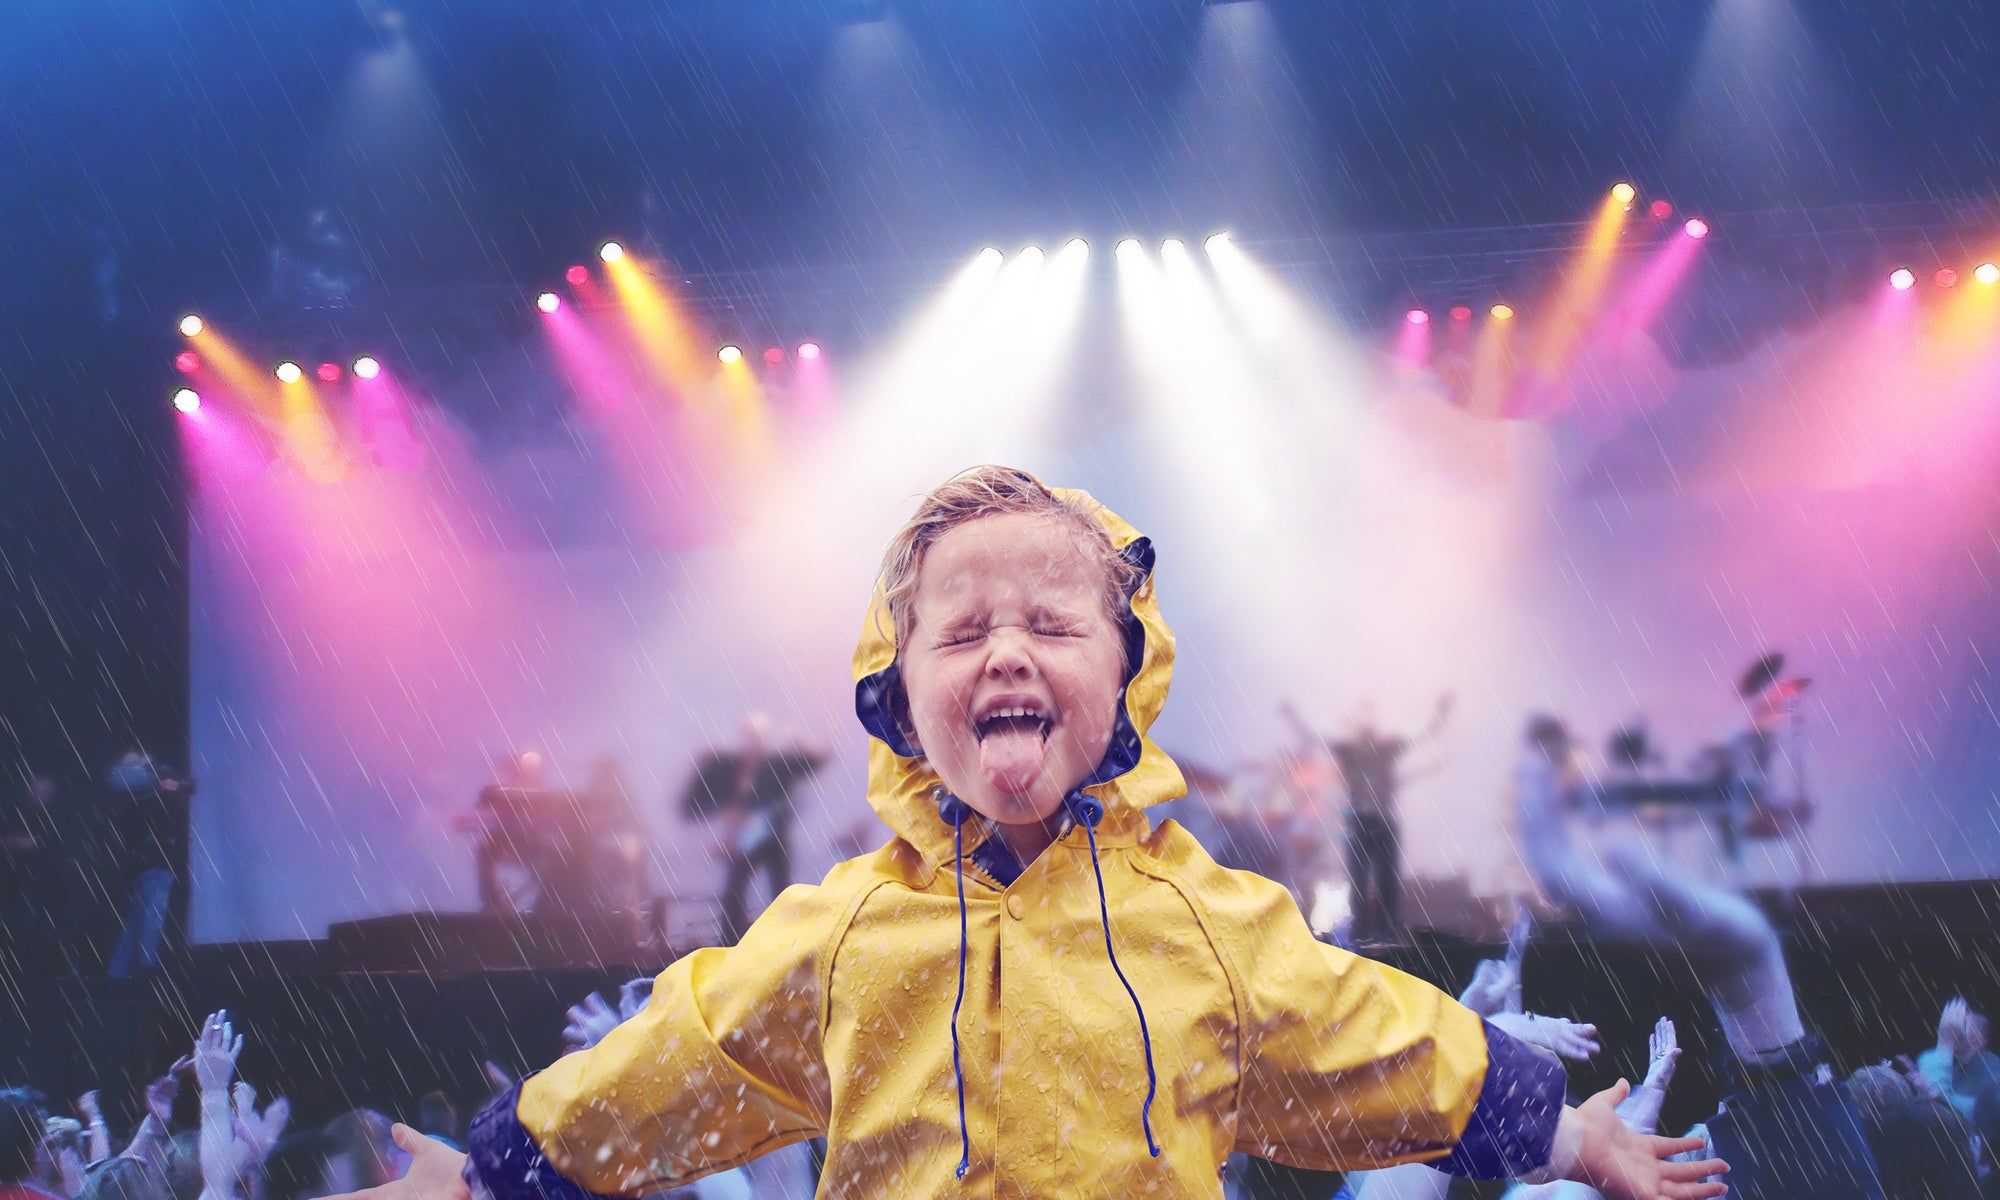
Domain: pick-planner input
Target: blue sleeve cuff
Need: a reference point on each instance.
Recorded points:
(503, 1162)
(1513, 1127)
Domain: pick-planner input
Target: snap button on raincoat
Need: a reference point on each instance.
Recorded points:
(832, 1017)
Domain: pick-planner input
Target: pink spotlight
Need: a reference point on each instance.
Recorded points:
(808, 350)
(328, 372)
(1946, 277)
(1903, 279)
(1417, 316)
(366, 368)
(1460, 312)
(187, 362)
(548, 302)
(187, 400)
(1661, 210)
(577, 275)
(773, 356)
(1696, 228)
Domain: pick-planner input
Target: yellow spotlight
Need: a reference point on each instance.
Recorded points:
(1987, 273)
(288, 372)
(190, 325)
(729, 354)
(611, 252)
(1216, 241)
(1624, 193)
(1501, 312)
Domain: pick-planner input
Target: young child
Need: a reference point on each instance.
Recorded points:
(1029, 991)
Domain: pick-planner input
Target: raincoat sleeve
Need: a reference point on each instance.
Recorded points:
(1348, 1064)
(723, 1065)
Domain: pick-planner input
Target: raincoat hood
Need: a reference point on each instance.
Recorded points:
(1134, 774)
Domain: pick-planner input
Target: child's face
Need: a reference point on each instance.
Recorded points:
(1009, 615)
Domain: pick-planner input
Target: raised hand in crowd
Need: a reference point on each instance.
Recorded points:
(97, 1134)
(589, 1020)
(61, 1142)
(256, 1132)
(1641, 1109)
(150, 1140)
(1495, 993)
(593, 1017)
(215, 1054)
(498, 1078)
(1569, 1039)
(1495, 982)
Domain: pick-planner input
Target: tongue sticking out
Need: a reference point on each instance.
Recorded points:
(1011, 754)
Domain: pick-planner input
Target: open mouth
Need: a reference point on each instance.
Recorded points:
(1013, 720)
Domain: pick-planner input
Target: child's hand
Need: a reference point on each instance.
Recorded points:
(434, 1172)
(1631, 1166)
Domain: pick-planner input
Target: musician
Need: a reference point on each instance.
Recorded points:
(1370, 764)
(146, 832)
(1767, 785)
(514, 849)
(747, 796)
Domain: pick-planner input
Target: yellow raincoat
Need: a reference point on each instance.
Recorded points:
(833, 1015)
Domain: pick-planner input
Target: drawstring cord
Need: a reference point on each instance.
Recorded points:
(1088, 812)
(952, 809)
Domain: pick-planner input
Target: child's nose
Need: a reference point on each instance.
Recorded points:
(1008, 655)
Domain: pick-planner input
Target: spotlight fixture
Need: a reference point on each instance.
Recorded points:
(1172, 246)
(190, 325)
(1501, 312)
(1902, 279)
(1696, 228)
(548, 302)
(1216, 241)
(1624, 193)
(1127, 247)
(1076, 245)
(187, 362)
(577, 275)
(366, 368)
(187, 400)
(328, 372)
(990, 257)
(1946, 277)
(1417, 316)
(288, 372)
(1461, 312)
(1661, 210)
(611, 252)
(1987, 273)
(808, 350)
(729, 355)
(773, 357)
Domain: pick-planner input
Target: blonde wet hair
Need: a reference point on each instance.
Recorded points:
(987, 491)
